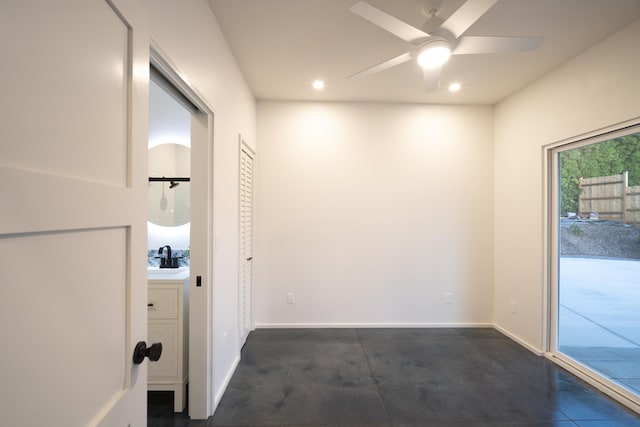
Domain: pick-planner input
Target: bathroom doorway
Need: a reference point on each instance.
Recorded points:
(168, 234)
(183, 197)
(169, 159)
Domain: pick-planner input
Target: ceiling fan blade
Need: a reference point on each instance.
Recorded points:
(387, 22)
(481, 44)
(466, 16)
(383, 66)
(431, 78)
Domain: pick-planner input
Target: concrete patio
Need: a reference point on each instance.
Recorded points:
(599, 316)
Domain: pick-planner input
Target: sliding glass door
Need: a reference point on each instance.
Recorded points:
(595, 258)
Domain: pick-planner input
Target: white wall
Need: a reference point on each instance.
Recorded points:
(597, 89)
(370, 213)
(187, 32)
(359, 209)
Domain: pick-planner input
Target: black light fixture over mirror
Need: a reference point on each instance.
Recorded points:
(173, 181)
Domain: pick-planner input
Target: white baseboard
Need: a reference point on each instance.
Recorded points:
(630, 403)
(511, 336)
(225, 383)
(519, 340)
(370, 325)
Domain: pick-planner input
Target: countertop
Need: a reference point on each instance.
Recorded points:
(167, 274)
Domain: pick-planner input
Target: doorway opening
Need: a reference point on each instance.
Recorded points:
(595, 260)
(185, 195)
(168, 235)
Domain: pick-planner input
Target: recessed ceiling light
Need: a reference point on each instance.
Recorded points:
(454, 87)
(318, 85)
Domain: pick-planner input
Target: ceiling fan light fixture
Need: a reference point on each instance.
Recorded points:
(434, 54)
(455, 87)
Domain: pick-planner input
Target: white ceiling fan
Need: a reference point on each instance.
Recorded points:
(432, 50)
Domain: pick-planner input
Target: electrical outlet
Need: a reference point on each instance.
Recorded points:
(291, 298)
(448, 298)
(514, 307)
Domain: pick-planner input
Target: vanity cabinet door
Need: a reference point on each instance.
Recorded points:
(167, 366)
(163, 303)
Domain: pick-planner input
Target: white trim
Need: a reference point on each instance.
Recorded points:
(616, 393)
(509, 335)
(169, 71)
(597, 135)
(551, 217)
(225, 383)
(243, 146)
(519, 340)
(370, 325)
(547, 251)
(550, 235)
(204, 358)
(602, 385)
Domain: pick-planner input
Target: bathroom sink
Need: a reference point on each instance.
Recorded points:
(156, 270)
(167, 273)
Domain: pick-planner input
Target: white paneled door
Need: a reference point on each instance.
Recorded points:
(247, 157)
(73, 129)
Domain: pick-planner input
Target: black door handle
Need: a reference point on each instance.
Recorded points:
(141, 351)
(250, 258)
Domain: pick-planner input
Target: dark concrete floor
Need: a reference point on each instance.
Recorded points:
(398, 377)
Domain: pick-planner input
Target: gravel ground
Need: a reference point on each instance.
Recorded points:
(609, 239)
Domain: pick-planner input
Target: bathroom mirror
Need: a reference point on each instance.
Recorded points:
(169, 203)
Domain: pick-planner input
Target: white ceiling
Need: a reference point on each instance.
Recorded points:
(283, 45)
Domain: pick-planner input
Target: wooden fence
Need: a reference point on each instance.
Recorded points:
(611, 197)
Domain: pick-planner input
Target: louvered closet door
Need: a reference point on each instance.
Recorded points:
(246, 240)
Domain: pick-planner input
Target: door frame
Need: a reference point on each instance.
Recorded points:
(201, 372)
(551, 214)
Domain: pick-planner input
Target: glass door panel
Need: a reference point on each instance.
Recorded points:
(598, 257)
